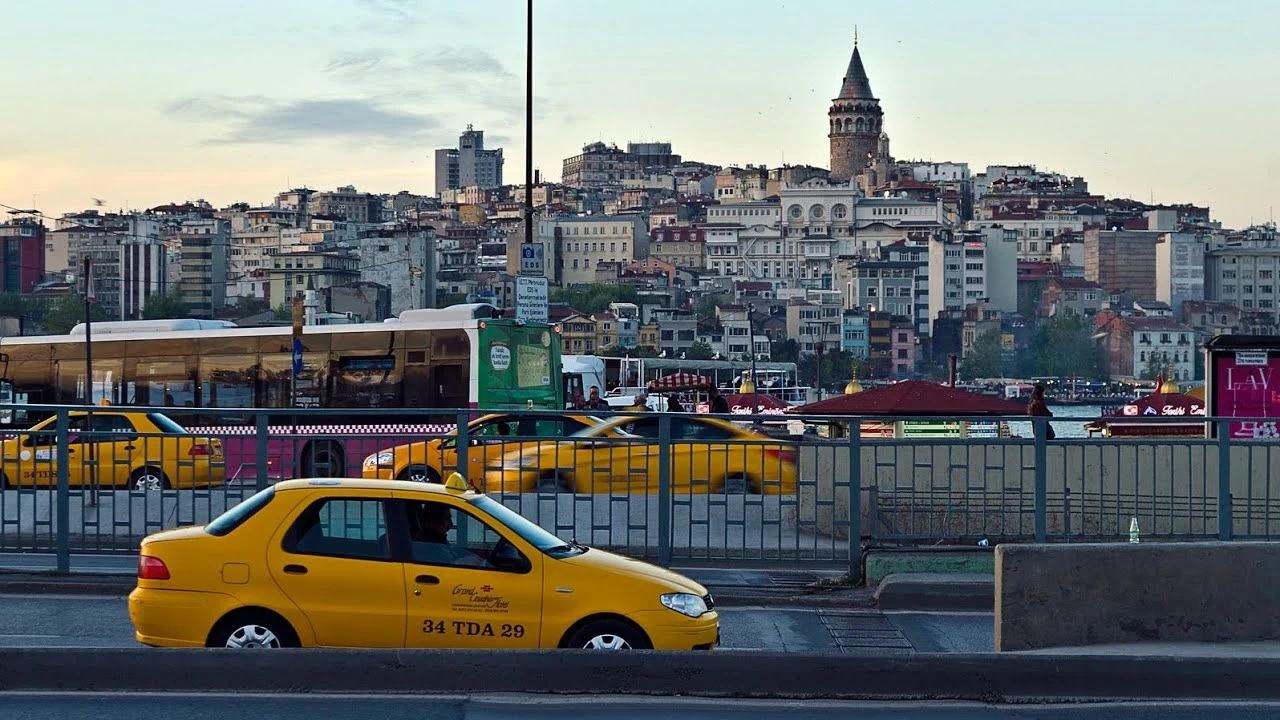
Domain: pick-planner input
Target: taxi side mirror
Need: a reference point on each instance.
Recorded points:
(518, 563)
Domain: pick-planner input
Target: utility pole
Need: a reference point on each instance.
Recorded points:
(528, 127)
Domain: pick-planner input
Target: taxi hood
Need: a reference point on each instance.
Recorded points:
(601, 560)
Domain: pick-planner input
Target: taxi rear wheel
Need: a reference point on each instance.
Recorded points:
(252, 630)
(419, 473)
(554, 482)
(148, 479)
(608, 635)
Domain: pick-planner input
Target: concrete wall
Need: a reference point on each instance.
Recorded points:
(1087, 594)
(972, 489)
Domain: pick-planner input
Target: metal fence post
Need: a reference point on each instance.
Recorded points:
(1225, 524)
(664, 489)
(63, 495)
(463, 436)
(1041, 429)
(855, 500)
(261, 464)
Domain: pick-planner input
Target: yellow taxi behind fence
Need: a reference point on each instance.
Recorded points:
(621, 455)
(113, 448)
(490, 437)
(378, 564)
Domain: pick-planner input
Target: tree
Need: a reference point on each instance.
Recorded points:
(28, 307)
(708, 304)
(986, 358)
(1061, 347)
(595, 298)
(784, 351)
(66, 312)
(699, 351)
(164, 307)
(1156, 368)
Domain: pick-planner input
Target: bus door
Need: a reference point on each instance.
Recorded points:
(417, 380)
(451, 385)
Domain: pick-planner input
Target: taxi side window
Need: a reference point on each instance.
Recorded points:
(441, 534)
(112, 428)
(343, 528)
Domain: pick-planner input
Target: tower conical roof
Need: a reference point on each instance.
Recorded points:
(856, 85)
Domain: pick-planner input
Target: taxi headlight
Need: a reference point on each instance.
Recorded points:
(685, 604)
(382, 458)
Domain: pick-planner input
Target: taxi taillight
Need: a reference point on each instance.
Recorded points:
(782, 454)
(152, 568)
(199, 449)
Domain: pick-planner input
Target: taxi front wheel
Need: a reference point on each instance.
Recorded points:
(608, 635)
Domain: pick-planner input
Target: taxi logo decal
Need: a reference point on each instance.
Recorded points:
(478, 600)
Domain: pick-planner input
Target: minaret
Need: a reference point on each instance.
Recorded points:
(855, 120)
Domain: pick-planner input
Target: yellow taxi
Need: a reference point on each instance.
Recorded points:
(113, 448)
(489, 439)
(391, 564)
(621, 455)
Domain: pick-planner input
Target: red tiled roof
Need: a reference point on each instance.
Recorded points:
(914, 398)
(1075, 283)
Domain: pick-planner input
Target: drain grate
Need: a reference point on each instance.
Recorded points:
(864, 632)
(793, 579)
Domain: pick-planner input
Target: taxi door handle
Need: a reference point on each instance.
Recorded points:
(427, 580)
(295, 569)
(128, 447)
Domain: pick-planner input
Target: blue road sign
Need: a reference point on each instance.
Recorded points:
(297, 356)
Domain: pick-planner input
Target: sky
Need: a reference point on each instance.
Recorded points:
(148, 102)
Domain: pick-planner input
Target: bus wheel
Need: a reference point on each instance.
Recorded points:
(323, 459)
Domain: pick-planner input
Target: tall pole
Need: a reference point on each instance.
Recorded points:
(88, 329)
(528, 128)
(751, 330)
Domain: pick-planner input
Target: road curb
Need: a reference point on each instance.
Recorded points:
(985, 677)
(936, 591)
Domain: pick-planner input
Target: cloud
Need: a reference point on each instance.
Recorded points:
(463, 61)
(363, 62)
(267, 122)
(214, 107)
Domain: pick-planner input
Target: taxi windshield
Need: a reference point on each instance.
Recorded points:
(531, 532)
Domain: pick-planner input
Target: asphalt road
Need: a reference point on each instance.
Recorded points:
(348, 707)
(90, 621)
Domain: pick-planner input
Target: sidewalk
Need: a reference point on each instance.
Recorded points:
(34, 574)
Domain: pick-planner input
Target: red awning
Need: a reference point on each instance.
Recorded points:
(913, 398)
(677, 382)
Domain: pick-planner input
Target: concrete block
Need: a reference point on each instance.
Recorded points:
(935, 591)
(957, 561)
(1090, 594)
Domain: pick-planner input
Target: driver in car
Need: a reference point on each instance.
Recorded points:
(431, 540)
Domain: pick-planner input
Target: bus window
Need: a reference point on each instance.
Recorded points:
(365, 381)
(228, 381)
(6, 402)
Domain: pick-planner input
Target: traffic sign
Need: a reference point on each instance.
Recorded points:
(531, 259)
(297, 356)
(531, 298)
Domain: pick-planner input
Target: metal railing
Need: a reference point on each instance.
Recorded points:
(675, 491)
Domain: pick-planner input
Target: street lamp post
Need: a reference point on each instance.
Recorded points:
(820, 350)
(528, 127)
(751, 344)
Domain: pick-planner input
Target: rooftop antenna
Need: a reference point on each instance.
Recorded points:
(855, 36)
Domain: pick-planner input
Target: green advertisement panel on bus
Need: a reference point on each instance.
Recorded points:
(518, 366)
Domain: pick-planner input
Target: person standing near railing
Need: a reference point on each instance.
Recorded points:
(1039, 408)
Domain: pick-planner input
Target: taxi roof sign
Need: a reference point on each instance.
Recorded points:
(457, 482)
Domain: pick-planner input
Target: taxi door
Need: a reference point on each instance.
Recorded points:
(469, 586)
(334, 562)
(113, 446)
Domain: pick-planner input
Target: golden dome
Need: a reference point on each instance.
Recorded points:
(747, 387)
(853, 387)
(1169, 387)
